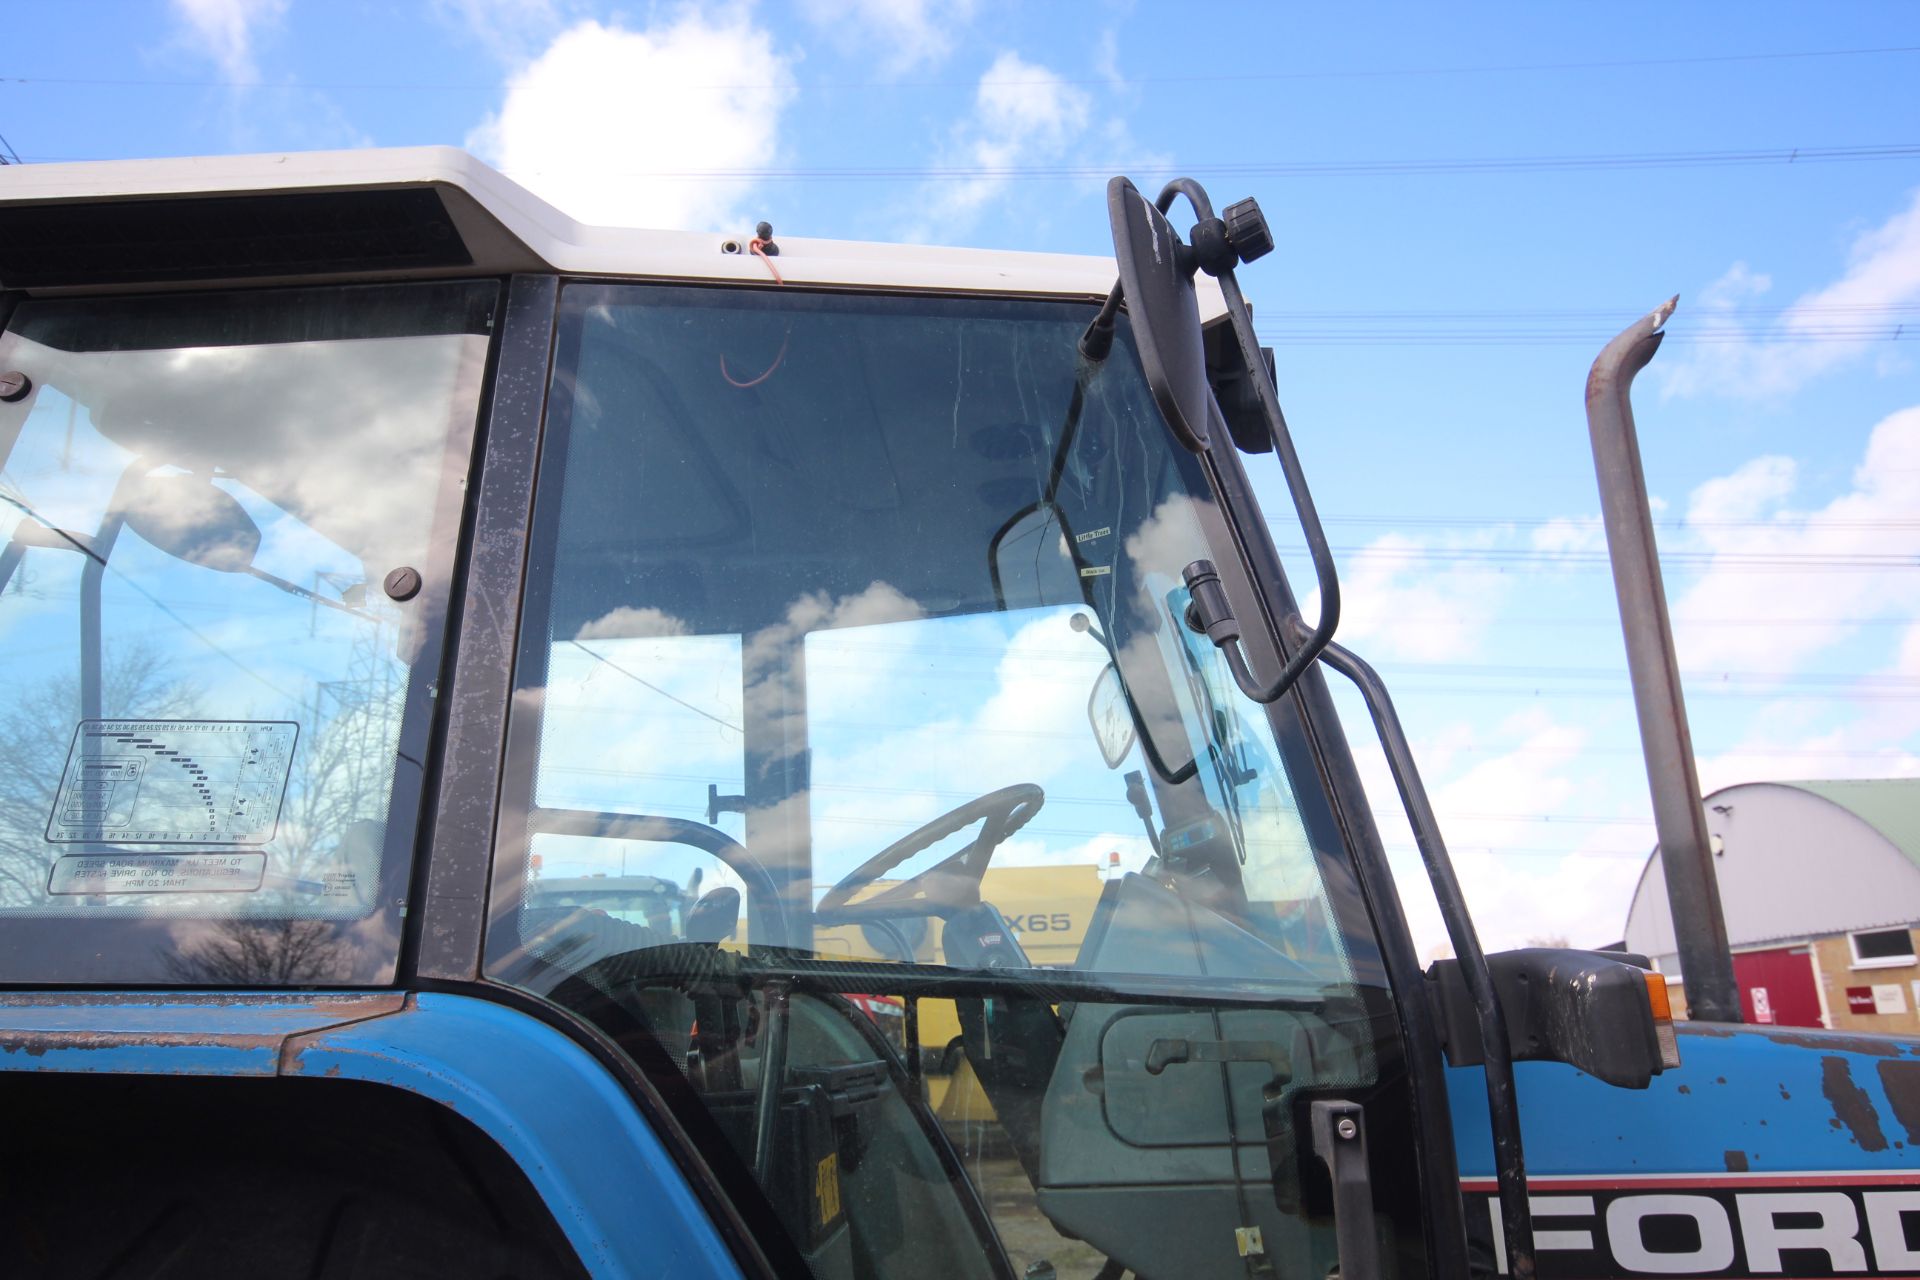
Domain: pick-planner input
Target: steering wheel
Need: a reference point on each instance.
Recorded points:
(953, 883)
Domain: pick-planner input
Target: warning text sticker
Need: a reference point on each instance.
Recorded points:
(158, 873)
(199, 782)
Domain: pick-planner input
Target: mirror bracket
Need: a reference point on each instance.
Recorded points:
(1156, 279)
(1210, 613)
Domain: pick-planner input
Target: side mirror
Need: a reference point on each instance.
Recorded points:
(1602, 1012)
(1112, 718)
(190, 519)
(1156, 279)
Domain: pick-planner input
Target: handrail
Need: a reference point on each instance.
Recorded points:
(1211, 612)
(1503, 1107)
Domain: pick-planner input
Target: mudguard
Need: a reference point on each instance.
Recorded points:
(603, 1173)
(1769, 1151)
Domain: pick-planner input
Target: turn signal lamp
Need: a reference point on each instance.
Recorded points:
(1663, 1021)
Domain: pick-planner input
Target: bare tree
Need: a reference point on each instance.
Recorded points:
(37, 719)
(270, 953)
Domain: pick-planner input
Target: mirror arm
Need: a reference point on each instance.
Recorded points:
(1326, 575)
(1307, 642)
(1097, 342)
(1195, 193)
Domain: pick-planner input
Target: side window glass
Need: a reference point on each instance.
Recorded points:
(208, 680)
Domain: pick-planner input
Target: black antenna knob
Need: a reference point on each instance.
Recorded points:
(1247, 230)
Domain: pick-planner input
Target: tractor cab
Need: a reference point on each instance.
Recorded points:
(716, 659)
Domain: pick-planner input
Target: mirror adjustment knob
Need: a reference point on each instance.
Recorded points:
(1247, 229)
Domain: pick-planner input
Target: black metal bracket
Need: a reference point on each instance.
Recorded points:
(1339, 1132)
(1311, 639)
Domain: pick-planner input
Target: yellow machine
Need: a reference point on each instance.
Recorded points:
(1049, 907)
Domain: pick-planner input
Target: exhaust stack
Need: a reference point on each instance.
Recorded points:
(1700, 928)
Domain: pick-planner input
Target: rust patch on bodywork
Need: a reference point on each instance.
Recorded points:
(1736, 1161)
(247, 1023)
(1873, 1046)
(352, 1005)
(1901, 1080)
(36, 1043)
(294, 1050)
(1852, 1108)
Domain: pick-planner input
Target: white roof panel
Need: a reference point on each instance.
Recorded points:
(508, 228)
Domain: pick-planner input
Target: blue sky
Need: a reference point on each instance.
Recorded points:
(1434, 321)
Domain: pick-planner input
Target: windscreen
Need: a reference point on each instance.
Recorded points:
(227, 524)
(1010, 931)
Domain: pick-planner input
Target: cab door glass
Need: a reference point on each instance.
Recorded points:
(866, 787)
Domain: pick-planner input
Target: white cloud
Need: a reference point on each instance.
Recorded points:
(228, 34)
(660, 127)
(905, 33)
(1489, 816)
(1397, 577)
(1561, 536)
(1797, 739)
(1023, 114)
(628, 622)
(224, 30)
(1822, 331)
(1823, 561)
(512, 30)
(1747, 494)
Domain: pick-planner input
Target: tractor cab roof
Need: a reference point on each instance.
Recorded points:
(419, 211)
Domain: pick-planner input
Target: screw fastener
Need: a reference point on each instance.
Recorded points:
(403, 583)
(14, 385)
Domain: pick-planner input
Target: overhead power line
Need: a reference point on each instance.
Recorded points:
(1593, 522)
(1460, 165)
(1266, 77)
(1725, 561)
(1455, 166)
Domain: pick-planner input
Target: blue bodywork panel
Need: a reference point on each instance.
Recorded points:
(1769, 1151)
(613, 1188)
(1743, 1100)
(189, 1035)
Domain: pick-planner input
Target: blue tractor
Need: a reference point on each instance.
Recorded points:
(490, 705)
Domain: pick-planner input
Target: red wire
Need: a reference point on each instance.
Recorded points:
(756, 247)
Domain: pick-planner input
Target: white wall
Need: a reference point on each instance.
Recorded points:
(1792, 865)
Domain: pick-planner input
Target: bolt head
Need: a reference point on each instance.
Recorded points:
(403, 583)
